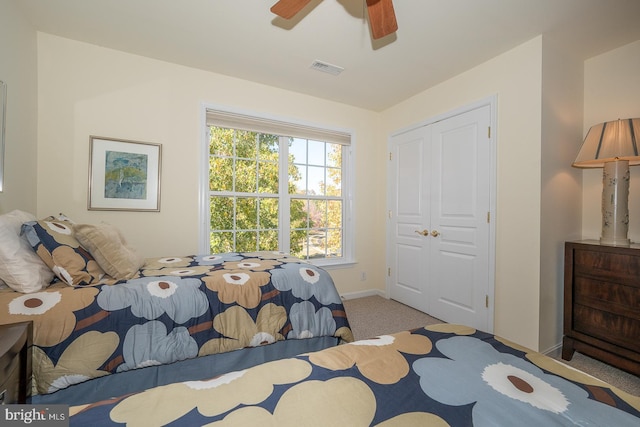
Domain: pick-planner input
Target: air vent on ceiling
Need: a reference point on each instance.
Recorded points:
(326, 67)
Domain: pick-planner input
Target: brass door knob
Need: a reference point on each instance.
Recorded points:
(435, 233)
(424, 232)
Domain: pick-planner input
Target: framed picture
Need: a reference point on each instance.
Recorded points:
(3, 116)
(124, 175)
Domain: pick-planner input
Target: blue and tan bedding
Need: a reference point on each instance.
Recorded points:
(110, 311)
(441, 375)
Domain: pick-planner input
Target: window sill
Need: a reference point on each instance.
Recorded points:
(333, 264)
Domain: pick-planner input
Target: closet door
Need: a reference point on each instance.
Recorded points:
(439, 224)
(409, 218)
(460, 203)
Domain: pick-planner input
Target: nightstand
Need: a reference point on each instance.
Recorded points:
(15, 362)
(602, 303)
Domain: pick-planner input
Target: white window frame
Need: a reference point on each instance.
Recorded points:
(310, 131)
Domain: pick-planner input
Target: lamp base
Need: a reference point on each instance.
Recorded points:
(615, 242)
(615, 203)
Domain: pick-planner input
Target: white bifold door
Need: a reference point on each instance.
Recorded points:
(439, 219)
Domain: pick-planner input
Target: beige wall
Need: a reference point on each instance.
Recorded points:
(611, 91)
(562, 93)
(516, 79)
(541, 92)
(18, 71)
(88, 90)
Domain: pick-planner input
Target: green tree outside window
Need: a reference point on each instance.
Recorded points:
(245, 200)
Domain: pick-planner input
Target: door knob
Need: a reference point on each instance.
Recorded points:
(435, 233)
(424, 232)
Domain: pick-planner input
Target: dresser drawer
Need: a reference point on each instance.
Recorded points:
(610, 327)
(607, 296)
(607, 266)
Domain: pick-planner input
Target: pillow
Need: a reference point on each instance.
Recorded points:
(53, 241)
(20, 268)
(107, 245)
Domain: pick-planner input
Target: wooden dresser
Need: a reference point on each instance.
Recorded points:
(15, 362)
(602, 303)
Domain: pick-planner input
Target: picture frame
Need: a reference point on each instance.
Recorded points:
(3, 120)
(124, 175)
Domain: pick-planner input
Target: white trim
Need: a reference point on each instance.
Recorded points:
(553, 352)
(273, 118)
(283, 188)
(362, 294)
(203, 201)
(490, 100)
(255, 123)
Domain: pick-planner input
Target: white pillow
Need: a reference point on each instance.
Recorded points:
(20, 268)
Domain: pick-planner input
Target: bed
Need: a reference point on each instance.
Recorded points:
(440, 375)
(114, 323)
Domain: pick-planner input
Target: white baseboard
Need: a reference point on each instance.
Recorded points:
(362, 294)
(554, 351)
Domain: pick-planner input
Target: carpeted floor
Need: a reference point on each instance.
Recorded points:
(374, 315)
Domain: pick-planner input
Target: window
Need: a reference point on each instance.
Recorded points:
(276, 186)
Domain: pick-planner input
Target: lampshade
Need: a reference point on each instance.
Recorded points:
(609, 141)
(612, 146)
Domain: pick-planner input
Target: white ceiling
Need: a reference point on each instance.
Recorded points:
(436, 39)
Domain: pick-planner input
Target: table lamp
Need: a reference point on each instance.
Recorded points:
(613, 146)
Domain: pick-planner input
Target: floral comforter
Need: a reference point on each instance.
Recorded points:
(177, 308)
(442, 375)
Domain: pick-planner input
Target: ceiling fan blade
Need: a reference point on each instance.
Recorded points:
(287, 9)
(382, 18)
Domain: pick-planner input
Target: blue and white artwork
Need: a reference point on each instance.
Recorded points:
(125, 175)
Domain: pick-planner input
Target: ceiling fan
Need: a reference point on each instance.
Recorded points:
(382, 17)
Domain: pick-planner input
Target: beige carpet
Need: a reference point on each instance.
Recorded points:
(373, 316)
